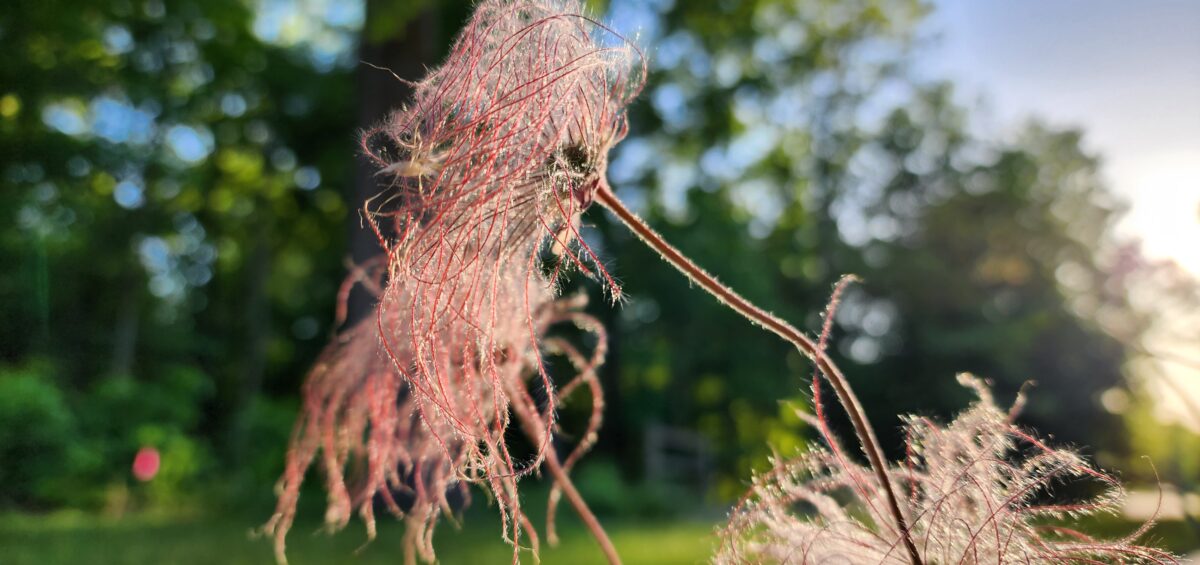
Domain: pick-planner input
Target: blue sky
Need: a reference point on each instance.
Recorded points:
(1128, 73)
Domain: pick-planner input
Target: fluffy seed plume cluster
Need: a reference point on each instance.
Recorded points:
(978, 490)
(485, 173)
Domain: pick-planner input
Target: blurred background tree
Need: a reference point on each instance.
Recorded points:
(179, 183)
(173, 189)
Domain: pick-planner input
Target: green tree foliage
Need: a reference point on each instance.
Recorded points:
(964, 259)
(35, 429)
(170, 185)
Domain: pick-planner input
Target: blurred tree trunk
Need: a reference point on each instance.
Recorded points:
(258, 327)
(125, 333)
(407, 53)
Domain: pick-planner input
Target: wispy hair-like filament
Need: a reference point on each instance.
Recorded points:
(483, 174)
(978, 491)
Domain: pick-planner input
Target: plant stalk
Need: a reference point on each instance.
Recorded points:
(527, 415)
(756, 315)
(553, 465)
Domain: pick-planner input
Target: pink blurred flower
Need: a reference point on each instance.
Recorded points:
(146, 463)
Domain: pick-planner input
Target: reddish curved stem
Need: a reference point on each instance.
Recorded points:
(560, 476)
(754, 314)
(527, 415)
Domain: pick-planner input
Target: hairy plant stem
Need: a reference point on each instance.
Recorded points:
(756, 315)
(527, 414)
(560, 476)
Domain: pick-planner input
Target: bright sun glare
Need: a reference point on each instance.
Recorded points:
(1164, 189)
(1165, 192)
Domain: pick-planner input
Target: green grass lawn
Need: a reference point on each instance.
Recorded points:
(86, 539)
(67, 539)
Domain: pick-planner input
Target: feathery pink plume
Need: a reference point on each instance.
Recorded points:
(488, 170)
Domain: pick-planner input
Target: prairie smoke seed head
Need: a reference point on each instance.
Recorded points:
(976, 491)
(492, 161)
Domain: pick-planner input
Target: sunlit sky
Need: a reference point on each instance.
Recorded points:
(1128, 73)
